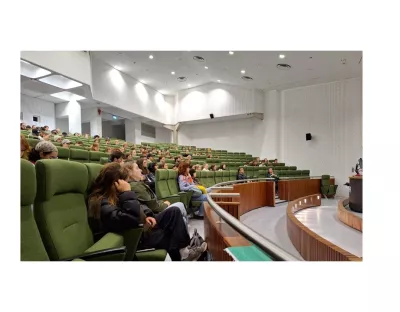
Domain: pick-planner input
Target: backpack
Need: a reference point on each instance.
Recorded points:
(196, 241)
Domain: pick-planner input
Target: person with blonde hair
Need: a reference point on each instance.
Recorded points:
(25, 148)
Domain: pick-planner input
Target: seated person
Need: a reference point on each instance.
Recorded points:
(43, 150)
(205, 167)
(64, 134)
(117, 156)
(165, 166)
(240, 174)
(186, 184)
(22, 126)
(196, 181)
(25, 148)
(222, 167)
(271, 174)
(65, 143)
(213, 168)
(151, 176)
(79, 143)
(95, 147)
(150, 158)
(113, 207)
(147, 196)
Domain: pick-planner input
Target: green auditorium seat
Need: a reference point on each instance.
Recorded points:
(226, 175)
(262, 173)
(218, 176)
(104, 160)
(210, 180)
(162, 189)
(232, 175)
(249, 171)
(79, 155)
(94, 157)
(172, 182)
(78, 147)
(32, 142)
(61, 214)
(201, 176)
(63, 153)
(327, 189)
(292, 168)
(256, 172)
(32, 248)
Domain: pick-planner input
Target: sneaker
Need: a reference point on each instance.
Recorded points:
(195, 252)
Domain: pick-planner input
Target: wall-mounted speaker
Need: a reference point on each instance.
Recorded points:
(211, 116)
(308, 137)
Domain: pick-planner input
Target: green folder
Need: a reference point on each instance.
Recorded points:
(247, 253)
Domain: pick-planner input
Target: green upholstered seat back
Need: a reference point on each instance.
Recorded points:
(210, 180)
(32, 248)
(60, 208)
(63, 153)
(93, 173)
(32, 142)
(94, 157)
(225, 175)
(79, 155)
(218, 177)
(232, 175)
(172, 181)
(162, 189)
(325, 179)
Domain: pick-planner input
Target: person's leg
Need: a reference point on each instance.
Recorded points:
(182, 208)
(203, 198)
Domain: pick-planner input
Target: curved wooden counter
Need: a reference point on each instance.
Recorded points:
(310, 245)
(347, 217)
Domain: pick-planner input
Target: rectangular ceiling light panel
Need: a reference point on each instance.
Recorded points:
(61, 82)
(32, 71)
(68, 96)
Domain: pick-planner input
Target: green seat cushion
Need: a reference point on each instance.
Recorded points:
(154, 255)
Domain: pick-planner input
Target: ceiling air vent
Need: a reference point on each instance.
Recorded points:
(247, 78)
(181, 79)
(284, 66)
(199, 58)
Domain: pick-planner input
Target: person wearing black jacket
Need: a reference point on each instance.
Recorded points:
(113, 207)
(271, 174)
(240, 174)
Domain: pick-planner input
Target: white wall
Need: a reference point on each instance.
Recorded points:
(114, 128)
(218, 99)
(332, 113)
(34, 107)
(232, 135)
(118, 89)
(72, 110)
(73, 64)
(62, 124)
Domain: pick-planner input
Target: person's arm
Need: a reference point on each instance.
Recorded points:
(183, 185)
(124, 216)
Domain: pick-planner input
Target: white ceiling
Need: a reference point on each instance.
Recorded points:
(308, 67)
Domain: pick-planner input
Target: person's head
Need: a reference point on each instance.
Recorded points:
(122, 149)
(270, 170)
(165, 166)
(117, 156)
(133, 152)
(161, 159)
(35, 132)
(213, 168)
(205, 166)
(241, 170)
(222, 167)
(22, 126)
(276, 161)
(96, 137)
(108, 149)
(46, 128)
(183, 168)
(28, 127)
(116, 142)
(54, 131)
(189, 157)
(142, 163)
(95, 147)
(266, 160)
(78, 143)
(64, 134)
(104, 187)
(43, 150)
(152, 168)
(197, 167)
(134, 172)
(192, 172)
(125, 145)
(150, 157)
(25, 148)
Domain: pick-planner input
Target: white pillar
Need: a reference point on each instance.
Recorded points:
(130, 133)
(74, 117)
(96, 125)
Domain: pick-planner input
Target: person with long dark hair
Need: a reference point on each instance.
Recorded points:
(113, 207)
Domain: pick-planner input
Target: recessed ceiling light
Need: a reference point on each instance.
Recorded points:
(60, 82)
(118, 68)
(231, 52)
(189, 85)
(206, 67)
(67, 96)
(281, 56)
(219, 80)
(32, 71)
(151, 56)
(172, 73)
(243, 71)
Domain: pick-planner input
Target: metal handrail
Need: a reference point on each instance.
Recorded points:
(276, 252)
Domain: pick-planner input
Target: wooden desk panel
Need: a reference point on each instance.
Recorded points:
(255, 195)
(293, 189)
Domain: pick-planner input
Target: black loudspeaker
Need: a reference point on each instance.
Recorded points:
(308, 137)
(211, 116)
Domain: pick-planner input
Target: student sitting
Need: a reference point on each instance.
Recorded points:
(205, 167)
(146, 195)
(222, 167)
(43, 150)
(117, 156)
(151, 176)
(25, 148)
(213, 168)
(95, 147)
(240, 174)
(271, 174)
(186, 184)
(196, 181)
(113, 207)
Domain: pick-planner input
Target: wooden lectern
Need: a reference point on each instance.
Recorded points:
(355, 200)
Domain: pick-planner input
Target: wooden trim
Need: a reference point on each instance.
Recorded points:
(356, 177)
(347, 217)
(310, 245)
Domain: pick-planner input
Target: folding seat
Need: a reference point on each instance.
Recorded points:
(210, 180)
(218, 176)
(305, 172)
(94, 157)
(162, 189)
(327, 189)
(32, 142)
(256, 172)
(79, 155)
(201, 176)
(57, 144)
(78, 147)
(292, 168)
(290, 173)
(226, 175)
(32, 248)
(104, 160)
(61, 214)
(63, 153)
(248, 171)
(297, 173)
(232, 175)
(262, 173)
